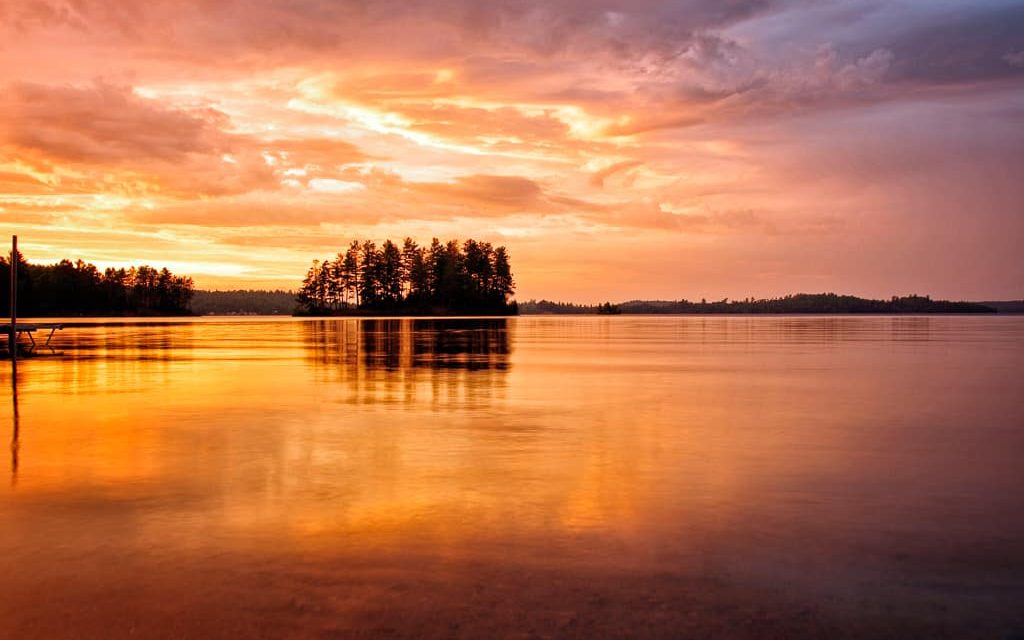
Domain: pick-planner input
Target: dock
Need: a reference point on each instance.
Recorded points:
(30, 329)
(14, 329)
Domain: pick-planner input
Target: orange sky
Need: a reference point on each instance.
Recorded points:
(640, 149)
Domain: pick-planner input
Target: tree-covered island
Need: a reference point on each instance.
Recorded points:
(471, 278)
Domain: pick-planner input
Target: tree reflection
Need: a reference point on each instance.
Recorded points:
(384, 360)
(133, 341)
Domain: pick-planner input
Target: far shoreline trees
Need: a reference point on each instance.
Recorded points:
(801, 303)
(243, 302)
(441, 279)
(80, 289)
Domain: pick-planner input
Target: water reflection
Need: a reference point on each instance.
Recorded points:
(15, 419)
(423, 470)
(385, 360)
(395, 344)
(145, 342)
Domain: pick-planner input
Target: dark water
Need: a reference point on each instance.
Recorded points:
(739, 477)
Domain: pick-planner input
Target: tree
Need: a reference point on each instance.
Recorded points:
(420, 278)
(471, 277)
(351, 272)
(323, 285)
(479, 270)
(308, 297)
(369, 286)
(412, 258)
(115, 285)
(503, 284)
(336, 282)
(390, 274)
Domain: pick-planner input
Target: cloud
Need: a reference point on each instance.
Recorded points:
(649, 124)
(369, 198)
(598, 177)
(510, 191)
(101, 122)
(1014, 58)
(501, 195)
(14, 183)
(331, 185)
(308, 158)
(100, 131)
(634, 28)
(857, 74)
(968, 47)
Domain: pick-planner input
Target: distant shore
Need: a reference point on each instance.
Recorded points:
(282, 303)
(801, 303)
(405, 313)
(252, 302)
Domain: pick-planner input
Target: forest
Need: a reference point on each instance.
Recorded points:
(79, 289)
(243, 302)
(443, 278)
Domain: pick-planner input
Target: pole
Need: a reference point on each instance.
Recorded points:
(13, 338)
(14, 356)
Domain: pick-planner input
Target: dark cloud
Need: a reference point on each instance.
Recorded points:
(631, 28)
(975, 44)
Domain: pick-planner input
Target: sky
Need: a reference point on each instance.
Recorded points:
(634, 149)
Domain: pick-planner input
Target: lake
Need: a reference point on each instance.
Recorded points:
(541, 476)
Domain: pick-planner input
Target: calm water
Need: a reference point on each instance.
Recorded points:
(536, 477)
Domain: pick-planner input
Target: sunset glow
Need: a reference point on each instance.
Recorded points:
(642, 149)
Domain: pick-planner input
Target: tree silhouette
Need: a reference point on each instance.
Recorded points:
(472, 277)
(390, 274)
(78, 288)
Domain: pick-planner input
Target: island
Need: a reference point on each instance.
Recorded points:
(451, 278)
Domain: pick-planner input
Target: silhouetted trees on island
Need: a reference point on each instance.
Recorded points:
(79, 288)
(449, 278)
(444, 278)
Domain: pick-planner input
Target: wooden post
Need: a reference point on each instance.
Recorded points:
(13, 338)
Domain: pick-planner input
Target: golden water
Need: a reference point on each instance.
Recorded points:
(538, 476)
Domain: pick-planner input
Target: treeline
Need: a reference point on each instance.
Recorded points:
(79, 288)
(1006, 306)
(444, 278)
(568, 308)
(243, 302)
(799, 303)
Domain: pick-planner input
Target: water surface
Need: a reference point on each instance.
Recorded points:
(532, 477)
